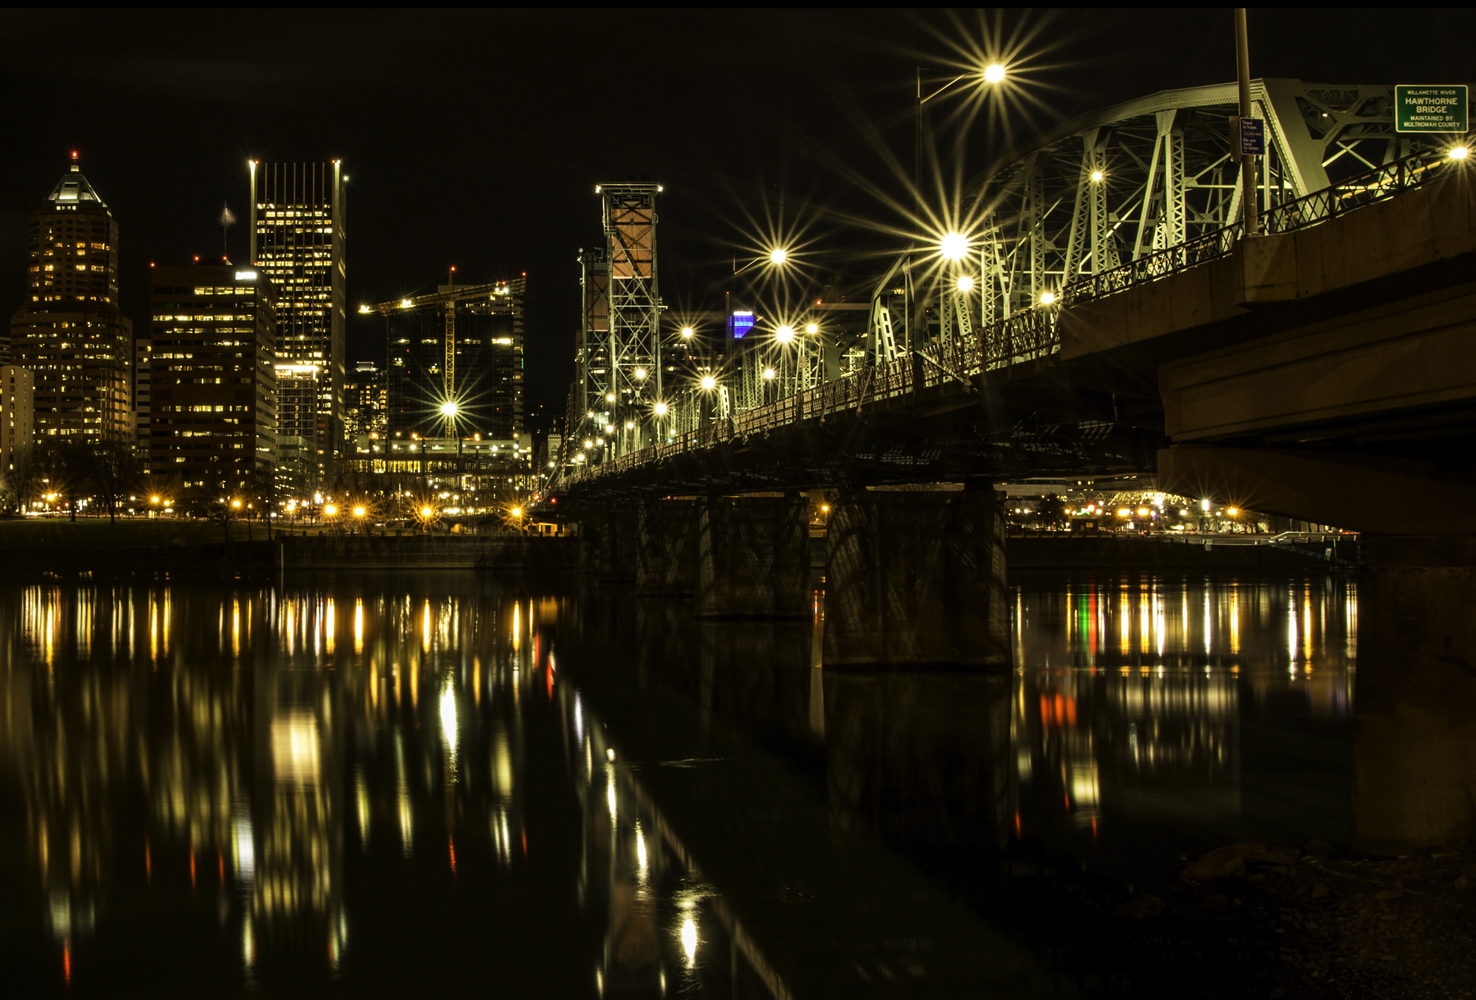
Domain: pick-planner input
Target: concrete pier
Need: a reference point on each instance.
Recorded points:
(608, 541)
(667, 559)
(916, 578)
(1415, 705)
(754, 559)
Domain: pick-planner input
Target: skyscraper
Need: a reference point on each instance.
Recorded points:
(297, 240)
(17, 411)
(69, 333)
(213, 417)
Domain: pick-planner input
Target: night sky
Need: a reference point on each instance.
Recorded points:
(476, 138)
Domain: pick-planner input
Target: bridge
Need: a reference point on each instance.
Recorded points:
(1111, 316)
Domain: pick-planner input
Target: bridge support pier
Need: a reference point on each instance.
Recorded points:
(607, 542)
(754, 557)
(667, 560)
(1415, 704)
(916, 578)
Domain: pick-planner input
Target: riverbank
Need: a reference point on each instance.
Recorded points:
(53, 548)
(1059, 550)
(1333, 927)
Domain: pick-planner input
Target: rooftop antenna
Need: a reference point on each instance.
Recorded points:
(227, 220)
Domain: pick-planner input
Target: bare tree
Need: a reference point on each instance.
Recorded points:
(19, 480)
(112, 469)
(213, 502)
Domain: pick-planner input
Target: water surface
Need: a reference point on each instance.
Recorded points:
(449, 784)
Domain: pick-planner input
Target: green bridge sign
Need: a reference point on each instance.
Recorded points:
(1430, 108)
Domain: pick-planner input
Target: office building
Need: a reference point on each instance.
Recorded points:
(17, 413)
(297, 240)
(143, 377)
(481, 373)
(297, 419)
(364, 401)
(213, 417)
(69, 333)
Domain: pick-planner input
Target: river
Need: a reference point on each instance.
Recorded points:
(447, 784)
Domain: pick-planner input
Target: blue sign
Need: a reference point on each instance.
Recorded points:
(1252, 137)
(739, 324)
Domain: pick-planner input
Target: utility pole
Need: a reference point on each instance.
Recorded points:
(1251, 210)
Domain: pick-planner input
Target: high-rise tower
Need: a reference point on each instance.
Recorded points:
(213, 412)
(69, 333)
(297, 240)
(620, 352)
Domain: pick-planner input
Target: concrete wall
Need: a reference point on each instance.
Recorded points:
(667, 551)
(754, 557)
(916, 578)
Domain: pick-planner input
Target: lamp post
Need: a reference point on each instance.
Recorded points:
(993, 74)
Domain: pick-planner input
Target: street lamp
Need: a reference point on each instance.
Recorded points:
(993, 74)
(953, 246)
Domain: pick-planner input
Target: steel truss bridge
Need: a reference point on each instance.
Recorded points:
(1114, 199)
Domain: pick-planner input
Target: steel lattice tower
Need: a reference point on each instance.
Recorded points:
(622, 356)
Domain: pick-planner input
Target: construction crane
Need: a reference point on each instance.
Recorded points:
(447, 298)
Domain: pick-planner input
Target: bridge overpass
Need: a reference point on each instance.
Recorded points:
(1323, 370)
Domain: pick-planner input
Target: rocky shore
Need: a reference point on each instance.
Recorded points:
(1344, 927)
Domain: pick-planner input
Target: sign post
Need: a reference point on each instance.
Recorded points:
(1431, 108)
(1248, 136)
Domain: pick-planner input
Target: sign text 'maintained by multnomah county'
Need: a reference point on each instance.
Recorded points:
(1430, 108)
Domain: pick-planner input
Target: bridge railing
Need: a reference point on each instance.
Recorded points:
(1031, 333)
(1379, 184)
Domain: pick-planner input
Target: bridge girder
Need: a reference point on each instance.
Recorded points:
(1115, 184)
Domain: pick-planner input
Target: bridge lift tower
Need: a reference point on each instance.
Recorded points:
(620, 350)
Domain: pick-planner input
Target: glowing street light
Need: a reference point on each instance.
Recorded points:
(609, 397)
(660, 409)
(994, 73)
(1047, 298)
(426, 512)
(359, 512)
(812, 328)
(954, 246)
(768, 373)
(640, 373)
(784, 334)
(1459, 153)
(1097, 176)
(687, 331)
(965, 283)
(330, 510)
(448, 409)
(778, 255)
(708, 382)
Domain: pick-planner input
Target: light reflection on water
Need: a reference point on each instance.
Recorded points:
(295, 779)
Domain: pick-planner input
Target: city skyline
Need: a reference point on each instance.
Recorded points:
(768, 127)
